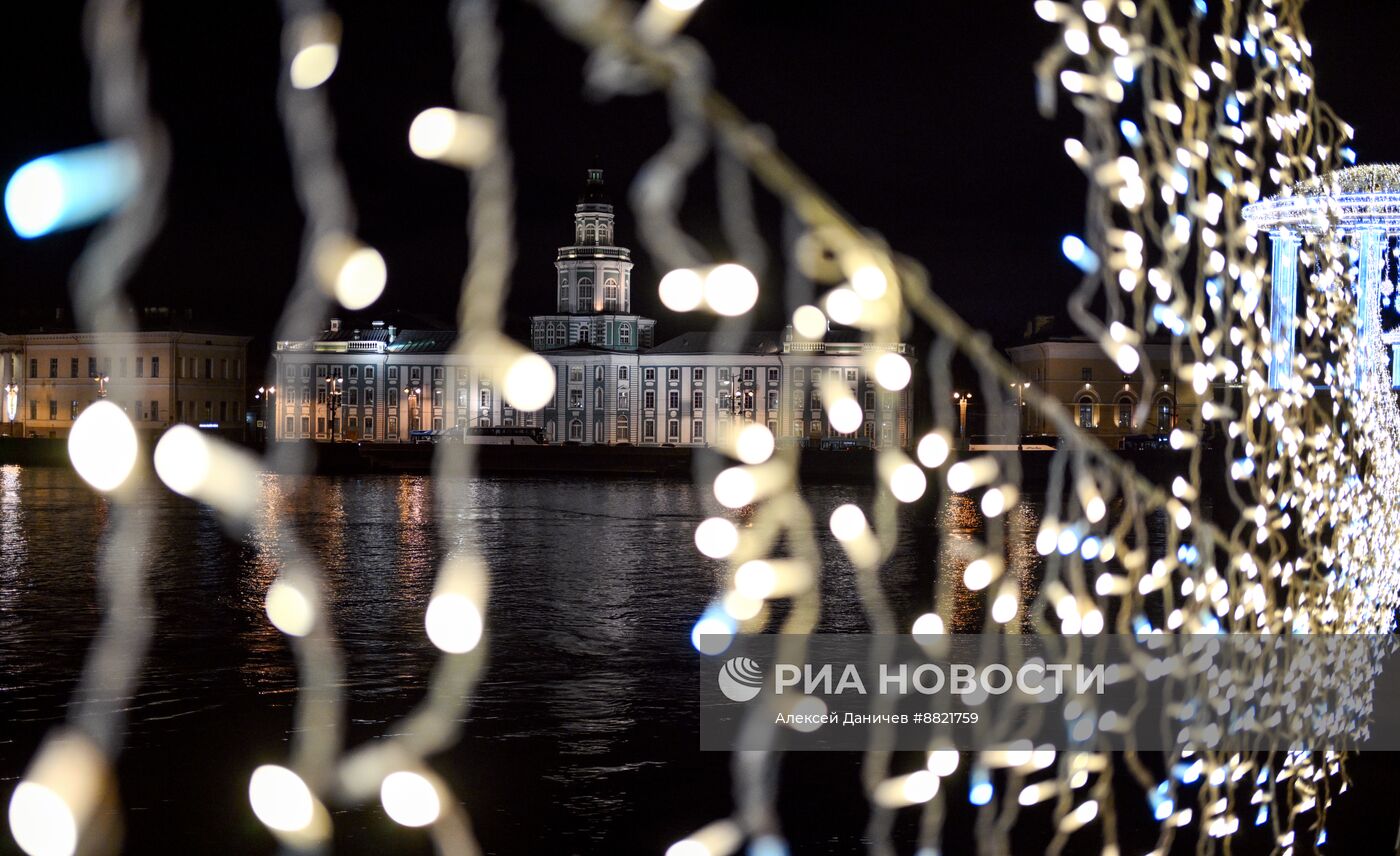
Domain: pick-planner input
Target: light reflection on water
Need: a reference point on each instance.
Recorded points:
(584, 730)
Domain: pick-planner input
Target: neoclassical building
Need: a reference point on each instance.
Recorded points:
(613, 384)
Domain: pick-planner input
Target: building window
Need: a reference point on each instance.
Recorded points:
(223, 412)
(155, 366)
(73, 409)
(622, 399)
(598, 373)
(869, 400)
(53, 408)
(486, 398)
(649, 375)
(673, 375)
(320, 425)
(575, 374)
(1125, 413)
(772, 399)
(597, 398)
(575, 430)
(369, 397)
(437, 423)
(369, 426)
(1086, 374)
(415, 375)
(437, 373)
(354, 372)
(289, 427)
(33, 367)
(772, 375)
(92, 366)
(352, 397)
(1164, 414)
(851, 375)
(673, 399)
(748, 374)
(393, 374)
(393, 426)
(563, 298)
(797, 375)
(697, 375)
(673, 430)
(797, 428)
(1086, 412)
(697, 430)
(155, 410)
(140, 366)
(73, 367)
(649, 399)
(575, 398)
(697, 400)
(624, 334)
(33, 409)
(53, 367)
(723, 374)
(585, 295)
(622, 372)
(208, 368)
(437, 397)
(369, 372)
(393, 396)
(649, 430)
(352, 425)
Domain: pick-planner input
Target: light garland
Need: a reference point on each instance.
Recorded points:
(1227, 110)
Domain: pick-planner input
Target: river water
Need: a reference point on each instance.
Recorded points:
(584, 734)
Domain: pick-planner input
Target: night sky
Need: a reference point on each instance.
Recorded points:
(917, 117)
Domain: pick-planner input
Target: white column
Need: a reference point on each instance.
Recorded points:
(1283, 307)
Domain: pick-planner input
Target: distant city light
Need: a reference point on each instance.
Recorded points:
(71, 188)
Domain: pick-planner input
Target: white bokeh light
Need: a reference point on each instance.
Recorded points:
(716, 537)
(280, 798)
(731, 289)
(410, 799)
(529, 382)
(102, 445)
(454, 622)
(682, 290)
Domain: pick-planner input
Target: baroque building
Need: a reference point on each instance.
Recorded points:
(613, 384)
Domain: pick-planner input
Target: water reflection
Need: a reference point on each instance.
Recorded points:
(583, 736)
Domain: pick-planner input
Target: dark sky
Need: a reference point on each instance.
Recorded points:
(918, 118)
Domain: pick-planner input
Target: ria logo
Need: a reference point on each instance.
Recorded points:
(740, 679)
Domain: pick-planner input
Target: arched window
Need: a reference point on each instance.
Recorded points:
(1086, 412)
(1165, 414)
(585, 295)
(610, 294)
(624, 431)
(590, 234)
(624, 334)
(564, 297)
(575, 430)
(1125, 412)
(585, 335)
(598, 398)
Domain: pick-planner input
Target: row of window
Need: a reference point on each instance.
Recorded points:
(1124, 413)
(140, 412)
(353, 372)
(188, 367)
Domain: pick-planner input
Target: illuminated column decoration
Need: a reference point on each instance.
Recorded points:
(1283, 307)
(1371, 266)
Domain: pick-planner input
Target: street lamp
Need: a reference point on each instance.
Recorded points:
(413, 393)
(265, 394)
(333, 403)
(11, 404)
(1020, 411)
(963, 399)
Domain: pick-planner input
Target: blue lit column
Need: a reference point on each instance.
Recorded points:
(1370, 266)
(1283, 307)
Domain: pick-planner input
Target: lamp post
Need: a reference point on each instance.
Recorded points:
(265, 395)
(11, 404)
(1020, 411)
(333, 403)
(963, 399)
(413, 393)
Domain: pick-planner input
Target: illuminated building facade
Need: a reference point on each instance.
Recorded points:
(158, 378)
(612, 385)
(1103, 401)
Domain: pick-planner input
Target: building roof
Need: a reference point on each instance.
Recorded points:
(761, 342)
(422, 341)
